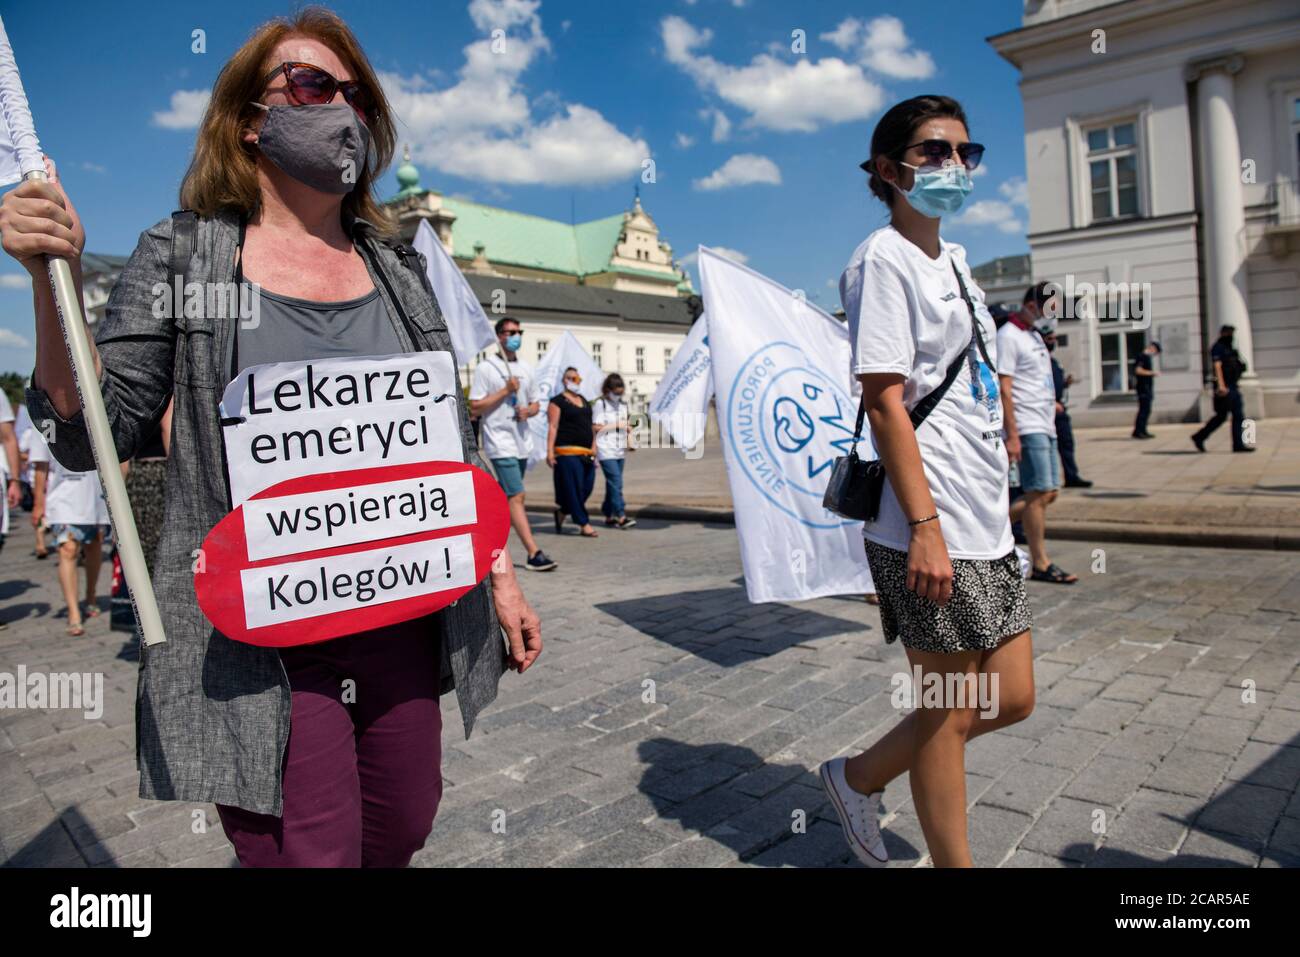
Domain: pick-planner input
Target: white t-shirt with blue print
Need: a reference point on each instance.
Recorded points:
(906, 315)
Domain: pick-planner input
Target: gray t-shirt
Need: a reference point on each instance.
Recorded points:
(294, 330)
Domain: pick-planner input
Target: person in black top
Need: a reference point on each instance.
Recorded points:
(1064, 428)
(1229, 367)
(1144, 374)
(571, 452)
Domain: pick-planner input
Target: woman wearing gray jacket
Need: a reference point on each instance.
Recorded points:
(302, 773)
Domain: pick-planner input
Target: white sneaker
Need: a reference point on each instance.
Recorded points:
(859, 814)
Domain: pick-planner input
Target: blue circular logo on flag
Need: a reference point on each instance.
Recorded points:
(787, 423)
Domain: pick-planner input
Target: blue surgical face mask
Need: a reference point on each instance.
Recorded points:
(937, 191)
(514, 342)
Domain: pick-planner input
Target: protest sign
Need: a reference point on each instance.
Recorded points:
(288, 419)
(320, 556)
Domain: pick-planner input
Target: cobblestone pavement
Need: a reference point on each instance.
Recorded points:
(1140, 751)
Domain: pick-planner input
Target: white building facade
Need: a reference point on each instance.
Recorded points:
(1162, 147)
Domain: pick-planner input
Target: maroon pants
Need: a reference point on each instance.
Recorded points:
(362, 776)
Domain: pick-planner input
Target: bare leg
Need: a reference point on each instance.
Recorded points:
(94, 558)
(68, 579)
(519, 521)
(938, 766)
(1012, 664)
(1034, 522)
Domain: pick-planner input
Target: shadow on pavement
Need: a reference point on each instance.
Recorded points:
(720, 625)
(767, 813)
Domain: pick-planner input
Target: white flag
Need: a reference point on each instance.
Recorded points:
(471, 332)
(567, 351)
(20, 151)
(680, 405)
(786, 411)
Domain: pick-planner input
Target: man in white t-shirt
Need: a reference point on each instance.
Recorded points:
(1029, 413)
(72, 504)
(503, 396)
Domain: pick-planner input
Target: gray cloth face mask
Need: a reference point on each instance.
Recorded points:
(324, 146)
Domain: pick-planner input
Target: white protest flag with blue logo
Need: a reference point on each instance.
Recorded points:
(471, 332)
(21, 158)
(680, 405)
(565, 353)
(786, 410)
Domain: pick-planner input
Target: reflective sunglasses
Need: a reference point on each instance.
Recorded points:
(937, 152)
(311, 86)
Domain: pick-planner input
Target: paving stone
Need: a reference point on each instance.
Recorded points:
(1108, 780)
(1156, 819)
(1026, 787)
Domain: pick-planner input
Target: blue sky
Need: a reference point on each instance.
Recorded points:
(755, 146)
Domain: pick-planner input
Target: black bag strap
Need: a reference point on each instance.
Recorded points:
(184, 227)
(923, 408)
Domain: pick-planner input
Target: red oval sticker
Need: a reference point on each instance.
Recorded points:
(322, 556)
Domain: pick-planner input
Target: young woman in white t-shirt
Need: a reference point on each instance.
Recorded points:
(940, 550)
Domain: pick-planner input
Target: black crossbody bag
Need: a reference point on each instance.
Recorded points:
(856, 486)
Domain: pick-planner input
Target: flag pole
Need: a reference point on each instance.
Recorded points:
(22, 133)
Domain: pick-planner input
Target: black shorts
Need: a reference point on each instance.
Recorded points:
(988, 603)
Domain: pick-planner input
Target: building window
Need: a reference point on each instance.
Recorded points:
(1118, 341)
(542, 345)
(1295, 136)
(668, 358)
(595, 354)
(1112, 170)
(640, 358)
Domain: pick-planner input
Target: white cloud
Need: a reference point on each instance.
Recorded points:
(1016, 191)
(744, 169)
(484, 127)
(721, 125)
(12, 340)
(882, 45)
(684, 142)
(989, 212)
(185, 112)
(776, 94)
(15, 280)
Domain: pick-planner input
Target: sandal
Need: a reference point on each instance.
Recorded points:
(1055, 574)
(92, 610)
(76, 631)
(591, 534)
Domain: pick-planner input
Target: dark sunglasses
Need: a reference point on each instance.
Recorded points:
(938, 151)
(311, 86)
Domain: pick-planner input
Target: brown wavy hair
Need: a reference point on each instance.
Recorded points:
(223, 171)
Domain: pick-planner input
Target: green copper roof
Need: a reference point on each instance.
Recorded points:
(519, 239)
